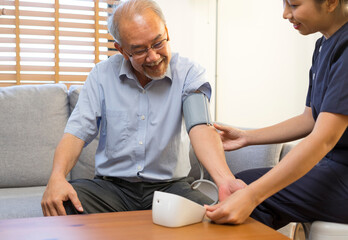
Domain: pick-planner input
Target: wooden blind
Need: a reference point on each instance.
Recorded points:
(52, 41)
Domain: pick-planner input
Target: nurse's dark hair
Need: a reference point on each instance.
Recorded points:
(343, 5)
(341, 1)
(128, 8)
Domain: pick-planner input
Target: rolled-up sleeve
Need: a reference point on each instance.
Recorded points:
(84, 120)
(196, 79)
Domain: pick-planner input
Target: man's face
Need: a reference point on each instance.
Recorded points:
(145, 32)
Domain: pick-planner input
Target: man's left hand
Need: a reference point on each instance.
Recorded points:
(229, 187)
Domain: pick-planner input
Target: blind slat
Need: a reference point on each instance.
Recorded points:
(7, 40)
(7, 68)
(51, 6)
(75, 69)
(37, 68)
(7, 31)
(7, 59)
(51, 60)
(26, 13)
(26, 50)
(6, 84)
(78, 43)
(7, 76)
(80, 25)
(40, 23)
(37, 77)
(36, 41)
(70, 78)
(7, 3)
(38, 5)
(72, 60)
(37, 59)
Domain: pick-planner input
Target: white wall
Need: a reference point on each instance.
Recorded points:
(263, 64)
(262, 61)
(192, 30)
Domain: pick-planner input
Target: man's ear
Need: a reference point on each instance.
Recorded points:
(332, 5)
(167, 33)
(120, 49)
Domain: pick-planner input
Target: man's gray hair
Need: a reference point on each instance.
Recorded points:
(129, 8)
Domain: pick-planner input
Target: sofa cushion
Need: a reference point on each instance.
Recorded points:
(242, 159)
(85, 166)
(257, 156)
(33, 120)
(21, 202)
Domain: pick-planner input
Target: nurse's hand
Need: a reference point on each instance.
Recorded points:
(232, 138)
(235, 209)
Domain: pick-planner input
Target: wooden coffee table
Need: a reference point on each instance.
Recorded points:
(127, 225)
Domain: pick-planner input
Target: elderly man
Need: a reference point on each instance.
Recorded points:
(135, 100)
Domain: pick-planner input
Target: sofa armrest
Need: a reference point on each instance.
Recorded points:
(286, 148)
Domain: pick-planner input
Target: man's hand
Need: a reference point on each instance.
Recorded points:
(59, 190)
(229, 187)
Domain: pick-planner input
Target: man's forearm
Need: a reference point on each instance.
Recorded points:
(66, 155)
(209, 151)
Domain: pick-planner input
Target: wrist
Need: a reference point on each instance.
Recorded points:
(246, 137)
(57, 176)
(256, 194)
(221, 180)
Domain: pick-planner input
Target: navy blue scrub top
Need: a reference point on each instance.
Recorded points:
(328, 84)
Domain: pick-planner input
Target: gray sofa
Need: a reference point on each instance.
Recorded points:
(33, 119)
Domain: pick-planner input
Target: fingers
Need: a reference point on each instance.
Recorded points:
(221, 215)
(52, 200)
(59, 208)
(211, 208)
(52, 207)
(56, 207)
(44, 209)
(76, 202)
(215, 213)
(221, 127)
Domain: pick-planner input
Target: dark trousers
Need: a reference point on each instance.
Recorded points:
(322, 194)
(115, 195)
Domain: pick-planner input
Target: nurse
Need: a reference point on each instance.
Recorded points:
(311, 182)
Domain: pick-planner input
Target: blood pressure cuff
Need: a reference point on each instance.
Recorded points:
(196, 110)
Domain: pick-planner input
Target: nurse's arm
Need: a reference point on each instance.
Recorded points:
(289, 130)
(303, 157)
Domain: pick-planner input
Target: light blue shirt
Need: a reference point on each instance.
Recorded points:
(141, 132)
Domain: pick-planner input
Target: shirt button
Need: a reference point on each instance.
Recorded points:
(141, 142)
(142, 117)
(139, 167)
(144, 91)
